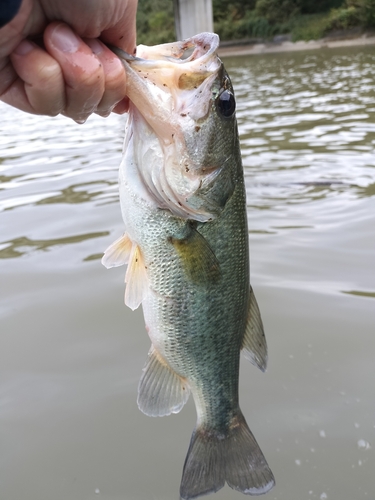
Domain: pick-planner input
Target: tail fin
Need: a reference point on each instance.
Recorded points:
(214, 458)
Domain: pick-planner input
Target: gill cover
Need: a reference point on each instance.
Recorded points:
(181, 115)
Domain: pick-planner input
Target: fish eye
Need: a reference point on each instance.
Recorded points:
(226, 104)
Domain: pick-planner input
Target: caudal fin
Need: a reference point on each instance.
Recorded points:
(214, 458)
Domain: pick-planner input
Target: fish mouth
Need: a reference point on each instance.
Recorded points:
(165, 67)
(170, 91)
(204, 47)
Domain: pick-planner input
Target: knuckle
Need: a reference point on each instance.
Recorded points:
(50, 76)
(90, 77)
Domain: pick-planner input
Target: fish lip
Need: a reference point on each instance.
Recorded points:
(201, 41)
(121, 54)
(205, 46)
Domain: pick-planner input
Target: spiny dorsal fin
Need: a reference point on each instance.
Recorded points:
(161, 391)
(254, 343)
(118, 253)
(136, 279)
(198, 258)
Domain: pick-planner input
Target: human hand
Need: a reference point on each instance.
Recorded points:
(52, 59)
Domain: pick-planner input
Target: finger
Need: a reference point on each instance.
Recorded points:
(38, 85)
(7, 75)
(114, 77)
(122, 106)
(82, 70)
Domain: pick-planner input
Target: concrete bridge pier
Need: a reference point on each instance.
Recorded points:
(192, 17)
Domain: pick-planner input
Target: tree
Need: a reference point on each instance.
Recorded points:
(277, 11)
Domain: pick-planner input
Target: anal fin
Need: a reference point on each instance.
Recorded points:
(161, 391)
(254, 343)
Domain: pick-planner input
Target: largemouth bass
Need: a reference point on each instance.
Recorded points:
(186, 246)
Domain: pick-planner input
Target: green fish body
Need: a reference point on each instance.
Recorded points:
(186, 246)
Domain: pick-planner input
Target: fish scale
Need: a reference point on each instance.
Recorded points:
(183, 203)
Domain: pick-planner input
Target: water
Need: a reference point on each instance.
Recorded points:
(71, 353)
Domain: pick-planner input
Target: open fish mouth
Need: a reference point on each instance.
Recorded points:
(162, 84)
(172, 88)
(204, 48)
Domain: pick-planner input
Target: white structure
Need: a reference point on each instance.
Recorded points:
(192, 17)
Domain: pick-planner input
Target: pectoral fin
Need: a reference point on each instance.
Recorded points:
(254, 343)
(199, 260)
(161, 391)
(118, 253)
(136, 279)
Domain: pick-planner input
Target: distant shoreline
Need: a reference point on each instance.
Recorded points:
(245, 49)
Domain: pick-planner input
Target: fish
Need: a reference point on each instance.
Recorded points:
(185, 244)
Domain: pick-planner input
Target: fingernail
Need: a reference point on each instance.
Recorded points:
(64, 39)
(81, 121)
(95, 46)
(24, 48)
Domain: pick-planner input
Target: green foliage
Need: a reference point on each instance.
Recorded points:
(277, 11)
(310, 27)
(236, 9)
(319, 6)
(365, 10)
(250, 26)
(261, 19)
(344, 18)
(369, 13)
(351, 14)
(234, 30)
(155, 22)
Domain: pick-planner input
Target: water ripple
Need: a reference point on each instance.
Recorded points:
(308, 140)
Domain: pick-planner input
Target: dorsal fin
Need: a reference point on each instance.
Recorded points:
(254, 343)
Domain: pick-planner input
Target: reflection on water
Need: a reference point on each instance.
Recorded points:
(360, 294)
(22, 245)
(71, 353)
